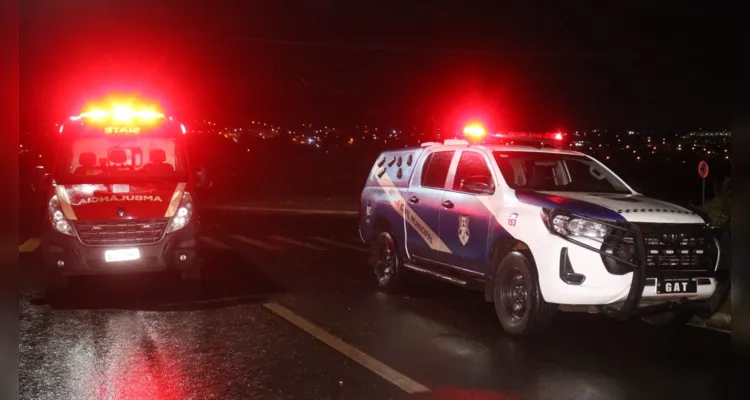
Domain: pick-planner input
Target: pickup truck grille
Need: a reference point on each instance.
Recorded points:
(125, 232)
(678, 247)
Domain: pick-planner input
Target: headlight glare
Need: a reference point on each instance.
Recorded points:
(57, 218)
(184, 212)
(565, 225)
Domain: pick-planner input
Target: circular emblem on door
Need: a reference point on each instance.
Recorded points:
(120, 211)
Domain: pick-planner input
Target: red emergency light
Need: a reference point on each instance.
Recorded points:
(121, 114)
(547, 138)
(117, 115)
(475, 130)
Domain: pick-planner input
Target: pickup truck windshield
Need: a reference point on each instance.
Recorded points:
(556, 173)
(101, 159)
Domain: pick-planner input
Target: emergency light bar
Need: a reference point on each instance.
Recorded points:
(551, 139)
(527, 136)
(122, 117)
(475, 131)
(122, 114)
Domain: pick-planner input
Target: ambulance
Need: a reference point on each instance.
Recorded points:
(120, 196)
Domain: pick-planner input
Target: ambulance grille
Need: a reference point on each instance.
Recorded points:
(130, 232)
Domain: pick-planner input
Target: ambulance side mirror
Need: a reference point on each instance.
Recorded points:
(40, 178)
(202, 180)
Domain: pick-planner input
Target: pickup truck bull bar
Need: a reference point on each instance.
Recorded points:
(623, 250)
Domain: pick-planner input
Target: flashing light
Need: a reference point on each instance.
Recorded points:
(475, 131)
(556, 136)
(117, 109)
(123, 114)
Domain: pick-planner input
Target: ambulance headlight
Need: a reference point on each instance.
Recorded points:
(183, 214)
(57, 218)
(565, 225)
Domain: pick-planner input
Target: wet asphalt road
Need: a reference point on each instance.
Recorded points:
(146, 337)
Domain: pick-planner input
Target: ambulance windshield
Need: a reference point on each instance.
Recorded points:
(108, 158)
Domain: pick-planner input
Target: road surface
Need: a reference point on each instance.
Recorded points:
(289, 310)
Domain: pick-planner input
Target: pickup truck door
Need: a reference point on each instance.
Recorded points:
(423, 205)
(464, 219)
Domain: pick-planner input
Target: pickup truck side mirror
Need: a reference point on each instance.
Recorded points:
(478, 184)
(39, 178)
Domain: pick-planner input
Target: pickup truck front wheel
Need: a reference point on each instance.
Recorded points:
(386, 262)
(518, 300)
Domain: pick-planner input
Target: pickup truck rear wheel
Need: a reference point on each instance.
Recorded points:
(386, 262)
(518, 300)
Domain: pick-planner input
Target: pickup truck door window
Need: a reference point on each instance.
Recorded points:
(423, 200)
(464, 220)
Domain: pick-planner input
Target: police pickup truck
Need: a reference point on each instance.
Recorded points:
(537, 229)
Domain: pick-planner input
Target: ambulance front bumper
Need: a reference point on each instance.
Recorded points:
(68, 256)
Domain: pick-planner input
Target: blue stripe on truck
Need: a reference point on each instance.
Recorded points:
(574, 206)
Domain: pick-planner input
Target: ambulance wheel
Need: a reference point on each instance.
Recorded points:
(519, 304)
(386, 262)
(669, 319)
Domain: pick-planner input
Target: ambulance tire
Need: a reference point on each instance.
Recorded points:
(669, 319)
(386, 263)
(518, 300)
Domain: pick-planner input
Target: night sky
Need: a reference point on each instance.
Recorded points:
(422, 63)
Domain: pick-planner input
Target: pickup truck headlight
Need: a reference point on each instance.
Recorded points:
(183, 214)
(57, 218)
(568, 226)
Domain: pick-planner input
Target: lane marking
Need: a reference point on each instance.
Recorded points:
(256, 243)
(710, 328)
(340, 244)
(214, 243)
(29, 245)
(284, 210)
(298, 243)
(391, 375)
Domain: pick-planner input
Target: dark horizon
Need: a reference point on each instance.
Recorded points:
(330, 62)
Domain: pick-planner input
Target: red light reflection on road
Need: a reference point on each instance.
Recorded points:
(143, 375)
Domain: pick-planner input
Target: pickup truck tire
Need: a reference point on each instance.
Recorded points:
(519, 304)
(386, 262)
(669, 319)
